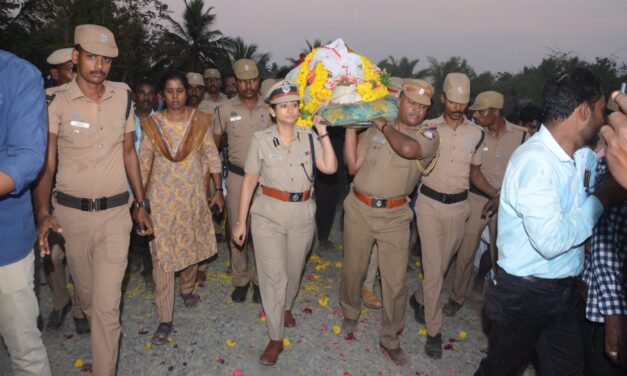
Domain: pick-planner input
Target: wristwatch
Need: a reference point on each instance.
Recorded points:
(145, 203)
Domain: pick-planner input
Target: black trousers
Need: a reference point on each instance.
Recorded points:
(527, 317)
(140, 247)
(597, 362)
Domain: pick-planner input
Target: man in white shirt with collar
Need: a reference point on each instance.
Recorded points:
(546, 214)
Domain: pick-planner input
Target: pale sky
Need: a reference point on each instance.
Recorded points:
(496, 35)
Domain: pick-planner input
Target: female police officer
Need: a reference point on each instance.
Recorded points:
(282, 159)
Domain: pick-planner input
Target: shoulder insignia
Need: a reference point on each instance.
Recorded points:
(49, 98)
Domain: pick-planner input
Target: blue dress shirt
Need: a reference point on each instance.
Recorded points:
(23, 138)
(546, 213)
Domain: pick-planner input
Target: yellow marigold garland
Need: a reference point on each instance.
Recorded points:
(369, 90)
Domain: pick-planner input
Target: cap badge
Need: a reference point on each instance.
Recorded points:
(460, 90)
(285, 87)
(246, 67)
(421, 91)
(104, 38)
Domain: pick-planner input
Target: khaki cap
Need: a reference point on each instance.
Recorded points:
(487, 99)
(456, 87)
(96, 39)
(418, 90)
(245, 69)
(281, 92)
(211, 73)
(395, 86)
(194, 78)
(266, 85)
(60, 56)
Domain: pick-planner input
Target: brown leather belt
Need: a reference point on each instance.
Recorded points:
(92, 204)
(285, 196)
(380, 202)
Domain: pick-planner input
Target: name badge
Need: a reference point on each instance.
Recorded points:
(79, 124)
(275, 157)
(235, 118)
(485, 148)
(379, 140)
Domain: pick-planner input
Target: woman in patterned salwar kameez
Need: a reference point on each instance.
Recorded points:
(178, 157)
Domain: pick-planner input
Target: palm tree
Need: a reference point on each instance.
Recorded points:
(238, 49)
(437, 70)
(403, 68)
(194, 44)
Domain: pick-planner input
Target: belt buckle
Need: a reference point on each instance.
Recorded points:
(379, 203)
(445, 198)
(296, 196)
(88, 204)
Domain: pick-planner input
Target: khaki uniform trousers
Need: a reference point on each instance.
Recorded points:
(441, 229)
(389, 229)
(373, 267)
(18, 319)
(242, 260)
(97, 254)
(462, 266)
(57, 281)
(164, 288)
(283, 233)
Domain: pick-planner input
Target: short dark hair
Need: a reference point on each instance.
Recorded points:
(565, 93)
(143, 82)
(173, 74)
(530, 113)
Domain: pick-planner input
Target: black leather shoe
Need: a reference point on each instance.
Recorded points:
(256, 294)
(239, 293)
(433, 347)
(419, 310)
(56, 317)
(450, 308)
(81, 325)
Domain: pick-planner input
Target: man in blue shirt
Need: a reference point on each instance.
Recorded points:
(546, 214)
(23, 131)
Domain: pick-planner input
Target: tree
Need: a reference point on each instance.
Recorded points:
(238, 49)
(403, 68)
(194, 44)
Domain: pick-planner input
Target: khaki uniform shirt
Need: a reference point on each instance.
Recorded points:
(208, 105)
(233, 118)
(459, 148)
(496, 152)
(286, 168)
(384, 173)
(90, 137)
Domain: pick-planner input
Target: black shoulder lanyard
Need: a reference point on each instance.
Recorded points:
(313, 161)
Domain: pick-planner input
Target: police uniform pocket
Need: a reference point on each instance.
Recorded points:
(75, 133)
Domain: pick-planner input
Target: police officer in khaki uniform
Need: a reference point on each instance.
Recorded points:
(236, 120)
(91, 127)
(283, 160)
(441, 207)
(62, 72)
(213, 83)
(501, 139)
(383, 161)
(61, 66)
(196, 90)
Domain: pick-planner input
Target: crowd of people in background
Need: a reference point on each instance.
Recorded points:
(150, 179)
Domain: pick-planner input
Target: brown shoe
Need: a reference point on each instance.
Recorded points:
(396, 355)
(348, 325)
(271, 353)
(288, 320)
(370, 299)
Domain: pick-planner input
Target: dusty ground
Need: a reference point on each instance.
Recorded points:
(220, 337)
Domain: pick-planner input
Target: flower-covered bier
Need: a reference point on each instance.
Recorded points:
(342, 86)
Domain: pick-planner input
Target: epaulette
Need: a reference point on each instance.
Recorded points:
(52, 92)
(118, 85)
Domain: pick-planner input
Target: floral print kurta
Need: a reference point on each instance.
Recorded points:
(183, 226)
